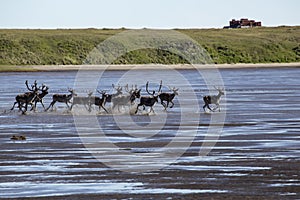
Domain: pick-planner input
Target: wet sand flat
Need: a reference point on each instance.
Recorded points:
(257, 155)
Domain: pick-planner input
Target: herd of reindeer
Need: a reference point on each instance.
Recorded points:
(118, 99)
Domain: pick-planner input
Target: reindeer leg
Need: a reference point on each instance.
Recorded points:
(35, 103)
(43, 104)
(20, 106)
(209, 108)
(162, 103)
(90, 106)
(71, 106)
(103, 108)
(33, 106)
(167, 104)
(86, 107)
(207, 105)
(172, 104)
(51, 104)
(151, 109)
(68, 105)
(204, 107)
(113, 107)
(14, 105)
(137, 108)
(217, 107)
(24, 111)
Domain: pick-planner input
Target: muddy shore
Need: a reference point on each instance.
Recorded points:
(152, 67)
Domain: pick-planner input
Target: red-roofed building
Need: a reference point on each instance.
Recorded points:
(243, 23)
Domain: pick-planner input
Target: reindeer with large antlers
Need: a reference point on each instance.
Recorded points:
(62, 98)
(149, 100)
(40, 97)
(214, 99)
(168, 97)
(126, 100)
(26, 98)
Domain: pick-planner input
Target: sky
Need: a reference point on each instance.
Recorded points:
(160, 14)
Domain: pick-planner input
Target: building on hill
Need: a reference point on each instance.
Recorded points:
(243, 23)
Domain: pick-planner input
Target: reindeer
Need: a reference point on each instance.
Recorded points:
(134, 93)
(40, 97)
(214, 99)
(149, 100)
(62, 98)
(111, 96)
(168, 97)
(126, 100)
(86, 101)
(100, 102)
(26, 98)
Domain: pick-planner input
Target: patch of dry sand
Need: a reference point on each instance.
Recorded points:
(158, 66)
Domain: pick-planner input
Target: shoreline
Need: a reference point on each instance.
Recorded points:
(41, 68)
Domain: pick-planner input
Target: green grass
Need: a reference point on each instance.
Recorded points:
(71, 46)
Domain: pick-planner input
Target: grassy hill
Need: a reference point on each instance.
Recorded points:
(71, 46)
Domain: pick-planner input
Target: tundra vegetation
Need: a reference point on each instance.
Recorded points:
(71, 46)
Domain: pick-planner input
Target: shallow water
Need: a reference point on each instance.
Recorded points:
(257, 153)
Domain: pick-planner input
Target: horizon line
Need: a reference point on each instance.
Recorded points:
(132, 28)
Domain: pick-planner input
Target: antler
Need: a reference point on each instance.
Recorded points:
(160, 86)
(42, 87)
(101, 92)
(90, 93)
(71, 90)
(35, 86)
(147, 84)
(217, 88)
(147, 88)
(119, 88)
(126, 88)
(174, 89)
(26, 83)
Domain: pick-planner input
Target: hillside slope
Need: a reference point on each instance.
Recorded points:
(71, 46)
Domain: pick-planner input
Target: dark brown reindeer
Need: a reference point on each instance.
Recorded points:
(86, 101)
(168, 97)
(40, 97)
(128, 99)
(134, 93)
(100, 101)
(214, 99)
(149, 100)
(26, 98)
(62, 98)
